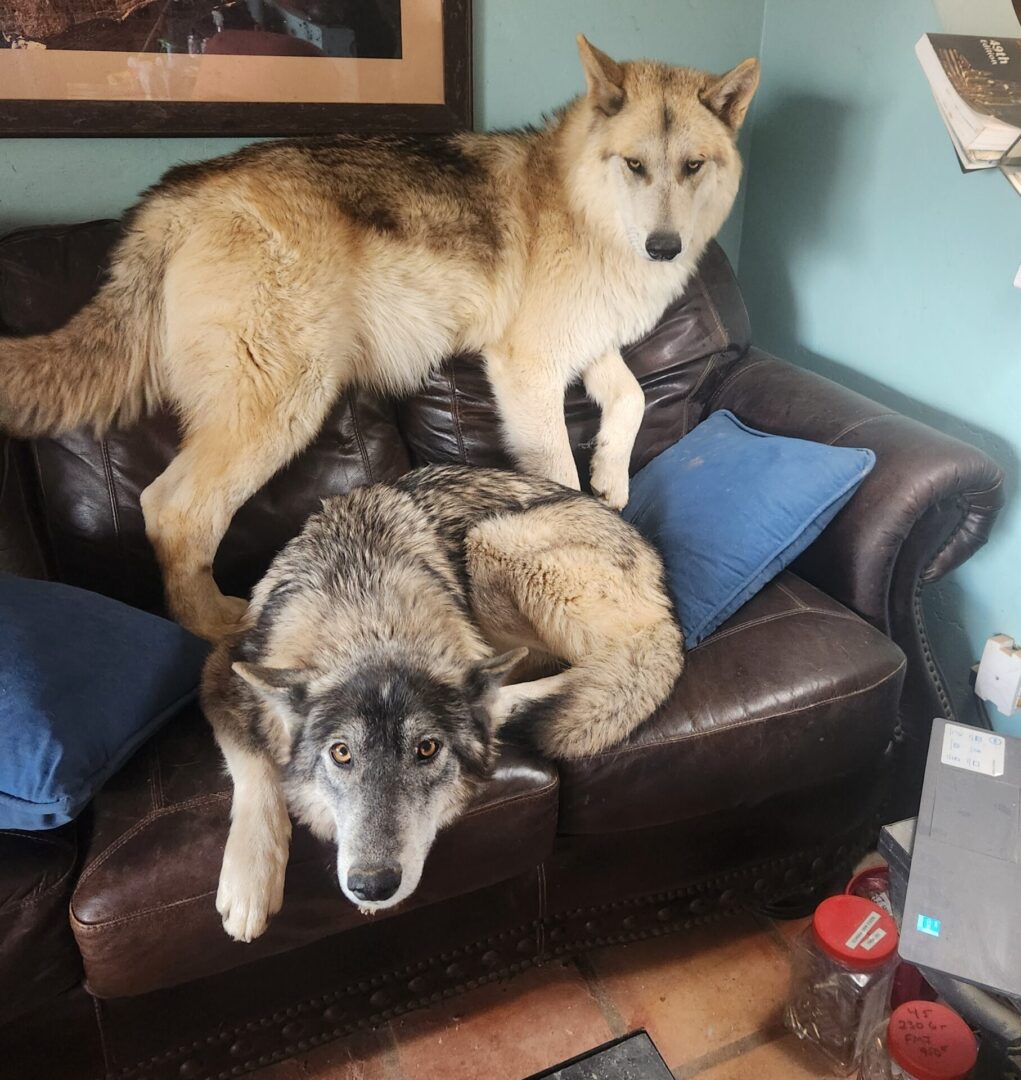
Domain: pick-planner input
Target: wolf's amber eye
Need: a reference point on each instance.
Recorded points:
(427, 749)
(692, 167)
(635, 166)
(340, 753)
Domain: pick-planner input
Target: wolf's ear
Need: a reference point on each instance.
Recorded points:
(730, 95)
(279, 686)
(485, 677)
(604, 76)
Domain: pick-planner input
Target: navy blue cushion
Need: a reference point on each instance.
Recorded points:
(84, 681)
(729, 507)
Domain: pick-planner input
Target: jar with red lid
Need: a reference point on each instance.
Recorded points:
(842, 967)
(923, 1040)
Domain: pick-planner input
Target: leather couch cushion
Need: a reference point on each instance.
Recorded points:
(143, 910)
(791, 691)
(90, 488)
(38, 957)
(681, 364)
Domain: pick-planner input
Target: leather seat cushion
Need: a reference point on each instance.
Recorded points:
(143, 911)
(791, 691)
(38, 956)
(683, 361)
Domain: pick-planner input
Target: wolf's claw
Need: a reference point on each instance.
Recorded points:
(609, 482)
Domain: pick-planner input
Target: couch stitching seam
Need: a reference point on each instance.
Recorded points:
(799, 604)
(201, 800)
(734, 376)
(516, 800)
(106, 924)
(762, 619)
(359, 441)
(858, 424)
(621, 751)
(111, 493)
(455, 409)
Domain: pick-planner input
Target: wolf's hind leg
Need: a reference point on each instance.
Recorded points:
(244, 432)
(251, 888)
(612, 386)
(591, 592)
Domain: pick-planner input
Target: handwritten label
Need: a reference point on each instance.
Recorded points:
(861, 933)
(873, 939)
(923, 1034)
(974, 750)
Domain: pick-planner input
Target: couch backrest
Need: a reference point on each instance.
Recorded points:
(680, 364)
(86, 491)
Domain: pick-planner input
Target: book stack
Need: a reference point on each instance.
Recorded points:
(976, 82)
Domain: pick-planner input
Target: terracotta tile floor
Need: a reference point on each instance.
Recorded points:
(710, 1000)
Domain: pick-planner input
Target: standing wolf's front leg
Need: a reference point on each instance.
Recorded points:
(612, 386)
(530, 397)
(251, 888)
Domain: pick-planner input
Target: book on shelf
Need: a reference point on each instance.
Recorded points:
(976, 82)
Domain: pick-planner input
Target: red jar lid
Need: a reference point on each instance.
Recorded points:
(930, 1041)
(855, 932)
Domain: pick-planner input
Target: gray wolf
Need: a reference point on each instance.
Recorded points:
(365, 689)
(248, 292)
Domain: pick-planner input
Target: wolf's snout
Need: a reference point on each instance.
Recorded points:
(373, 883)
(663, 246)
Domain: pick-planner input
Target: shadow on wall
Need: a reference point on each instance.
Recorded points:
(944, 602)
(806, 130)
(811, 131)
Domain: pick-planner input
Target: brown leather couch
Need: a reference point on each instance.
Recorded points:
(795, 727)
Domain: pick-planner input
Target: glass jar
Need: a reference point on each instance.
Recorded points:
(923, 1040)
(842, 968)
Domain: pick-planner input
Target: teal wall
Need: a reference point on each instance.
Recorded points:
(867, 256)
(525, 61)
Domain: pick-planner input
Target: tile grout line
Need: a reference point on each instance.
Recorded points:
(613, 1019)
(722, 1054)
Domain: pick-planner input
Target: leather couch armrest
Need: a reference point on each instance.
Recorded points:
(927, 506)
(20, 550)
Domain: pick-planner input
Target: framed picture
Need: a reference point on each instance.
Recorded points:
(233, 67)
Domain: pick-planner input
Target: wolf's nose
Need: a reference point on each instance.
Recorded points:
(663, 246)
(373, 883)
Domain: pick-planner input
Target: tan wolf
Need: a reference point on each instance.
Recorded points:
(248, 292)
(362, 692)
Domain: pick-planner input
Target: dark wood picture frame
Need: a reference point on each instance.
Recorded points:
(22, 118)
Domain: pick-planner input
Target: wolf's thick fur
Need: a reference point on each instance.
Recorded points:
(374, 630)
(248, 292)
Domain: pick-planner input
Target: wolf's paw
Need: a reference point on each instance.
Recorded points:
(247, 901)
(609, 481)
(251, 887)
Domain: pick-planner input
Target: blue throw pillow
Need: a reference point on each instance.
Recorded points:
(729, 507)
(84, 681)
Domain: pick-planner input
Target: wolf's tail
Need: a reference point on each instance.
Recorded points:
(103, 366)
(597, 703)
